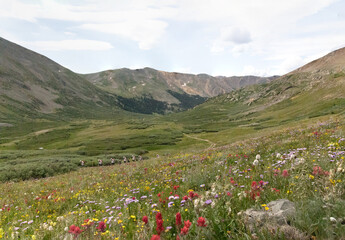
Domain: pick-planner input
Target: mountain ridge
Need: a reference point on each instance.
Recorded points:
(32, 85)
(157, 82)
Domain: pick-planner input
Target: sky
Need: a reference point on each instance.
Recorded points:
(216, 37)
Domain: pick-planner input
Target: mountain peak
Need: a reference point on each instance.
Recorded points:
(333, 61)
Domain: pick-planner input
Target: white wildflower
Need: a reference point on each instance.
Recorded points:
(45, 226)
(196, 202)
(258, 157)
(241, 195)
(256, 162)
(331, 174)
(299, 161)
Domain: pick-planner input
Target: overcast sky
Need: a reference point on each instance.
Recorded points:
(218, 37)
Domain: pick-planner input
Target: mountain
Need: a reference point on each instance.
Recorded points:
(168, 86)
(32, 85)
(314, 90)
(36, 88)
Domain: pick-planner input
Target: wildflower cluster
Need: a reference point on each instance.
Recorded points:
(193, 196)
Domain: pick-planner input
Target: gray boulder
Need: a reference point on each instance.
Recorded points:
(275, 219)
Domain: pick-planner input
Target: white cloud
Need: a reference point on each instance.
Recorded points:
(77, 44)
(251, 70)
(276, 34)
(140, 21)
(146, 33)
(230, 36)
(236, 35)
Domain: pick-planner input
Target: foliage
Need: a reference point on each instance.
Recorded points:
(209, 189)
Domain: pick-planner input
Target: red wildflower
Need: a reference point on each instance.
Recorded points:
(87, 223)
(155, 237)
(159, 195)
(317, 170)
(185, 198)
(178, 219)
(187, 223)
(178, 238)
(191, 194)
(159, 222)
(276, 172)
(261, 183)
(184, 230)
(254, 194)
(285, 173)
(201, 222)
(145, 219)
(101, 226)
(160, 227)
(74, 230)
(159, 216)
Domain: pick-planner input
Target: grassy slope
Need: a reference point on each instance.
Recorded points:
(225, 176)
(221, 120)
(257, 110)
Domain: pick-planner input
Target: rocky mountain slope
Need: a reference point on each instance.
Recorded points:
(33, 85)
(163, 86)
(313, 90)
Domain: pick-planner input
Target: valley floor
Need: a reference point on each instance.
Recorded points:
(199, 195)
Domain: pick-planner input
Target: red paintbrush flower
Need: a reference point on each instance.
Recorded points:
(75, 231)
(155, 237)
(201, 222)
(187, 223)
(184, 230)
(101, 226)
(159, 216)
(160, 227)
(145, 219)
(178, 219)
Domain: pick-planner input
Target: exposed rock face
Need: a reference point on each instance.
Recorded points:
(275, 219)
(158, 84)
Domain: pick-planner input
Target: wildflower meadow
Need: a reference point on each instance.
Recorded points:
(197, 195)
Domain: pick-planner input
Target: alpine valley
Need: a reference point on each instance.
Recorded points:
(148, 154)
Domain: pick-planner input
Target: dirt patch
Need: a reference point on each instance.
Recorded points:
(6, 125)
(42, 131)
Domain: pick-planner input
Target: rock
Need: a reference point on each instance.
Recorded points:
(275, 219)
(281, 210)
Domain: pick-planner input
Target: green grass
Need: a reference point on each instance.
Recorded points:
(94, 193)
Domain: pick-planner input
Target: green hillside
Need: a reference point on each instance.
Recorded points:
(169, 91)
(87, 121)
